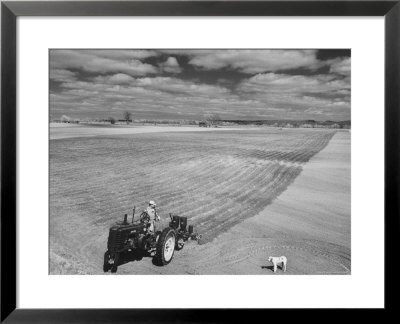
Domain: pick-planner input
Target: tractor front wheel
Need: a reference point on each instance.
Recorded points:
(165, 246)
(114, 267)
(106, 264)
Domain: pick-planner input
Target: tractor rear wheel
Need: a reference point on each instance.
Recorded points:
(165, 246)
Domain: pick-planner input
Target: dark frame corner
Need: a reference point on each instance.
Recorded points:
(9, 13)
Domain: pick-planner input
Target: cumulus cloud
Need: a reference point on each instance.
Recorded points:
(300, 94)
(119, 78)
(99, 62)
(185, 87)
(61, 75)
(119, 82)
(252, 61)
(171, 65)
(122, 54)
(171, 95)
(341, 66)
(282, 83)
(105, 82)
(145, 95)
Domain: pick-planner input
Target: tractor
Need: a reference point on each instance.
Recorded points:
(135, 238)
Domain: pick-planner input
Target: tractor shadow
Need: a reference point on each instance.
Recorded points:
(154, 262)
(132, 256)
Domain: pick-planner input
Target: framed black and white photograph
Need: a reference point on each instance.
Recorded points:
(232, 148)
(204, 141)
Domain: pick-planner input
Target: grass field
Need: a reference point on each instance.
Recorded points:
(217, 179)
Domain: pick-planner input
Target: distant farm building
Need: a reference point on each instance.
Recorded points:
(65, 119)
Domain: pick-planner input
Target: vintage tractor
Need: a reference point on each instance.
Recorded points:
(135, 238)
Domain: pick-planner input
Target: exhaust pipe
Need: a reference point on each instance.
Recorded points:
(133, 214)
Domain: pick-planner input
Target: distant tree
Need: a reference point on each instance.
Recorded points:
(127, 116)
(111, 120)
(213, 119)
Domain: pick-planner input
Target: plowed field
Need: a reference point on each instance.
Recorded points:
(217, 179)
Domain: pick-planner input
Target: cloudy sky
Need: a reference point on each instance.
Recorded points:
(188, 84)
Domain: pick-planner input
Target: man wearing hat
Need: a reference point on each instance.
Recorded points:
(152, 212)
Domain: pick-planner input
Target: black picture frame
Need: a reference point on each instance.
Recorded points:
(10, 11)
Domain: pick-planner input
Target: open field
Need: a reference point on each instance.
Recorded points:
(59, 130)
(240, 188)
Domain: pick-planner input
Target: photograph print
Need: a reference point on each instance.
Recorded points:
(200, 161)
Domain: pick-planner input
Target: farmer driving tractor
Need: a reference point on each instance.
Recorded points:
(153, 216)
(139, 237)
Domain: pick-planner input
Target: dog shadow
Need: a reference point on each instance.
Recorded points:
(271, 267)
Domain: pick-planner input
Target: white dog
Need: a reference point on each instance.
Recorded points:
(275, 260)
